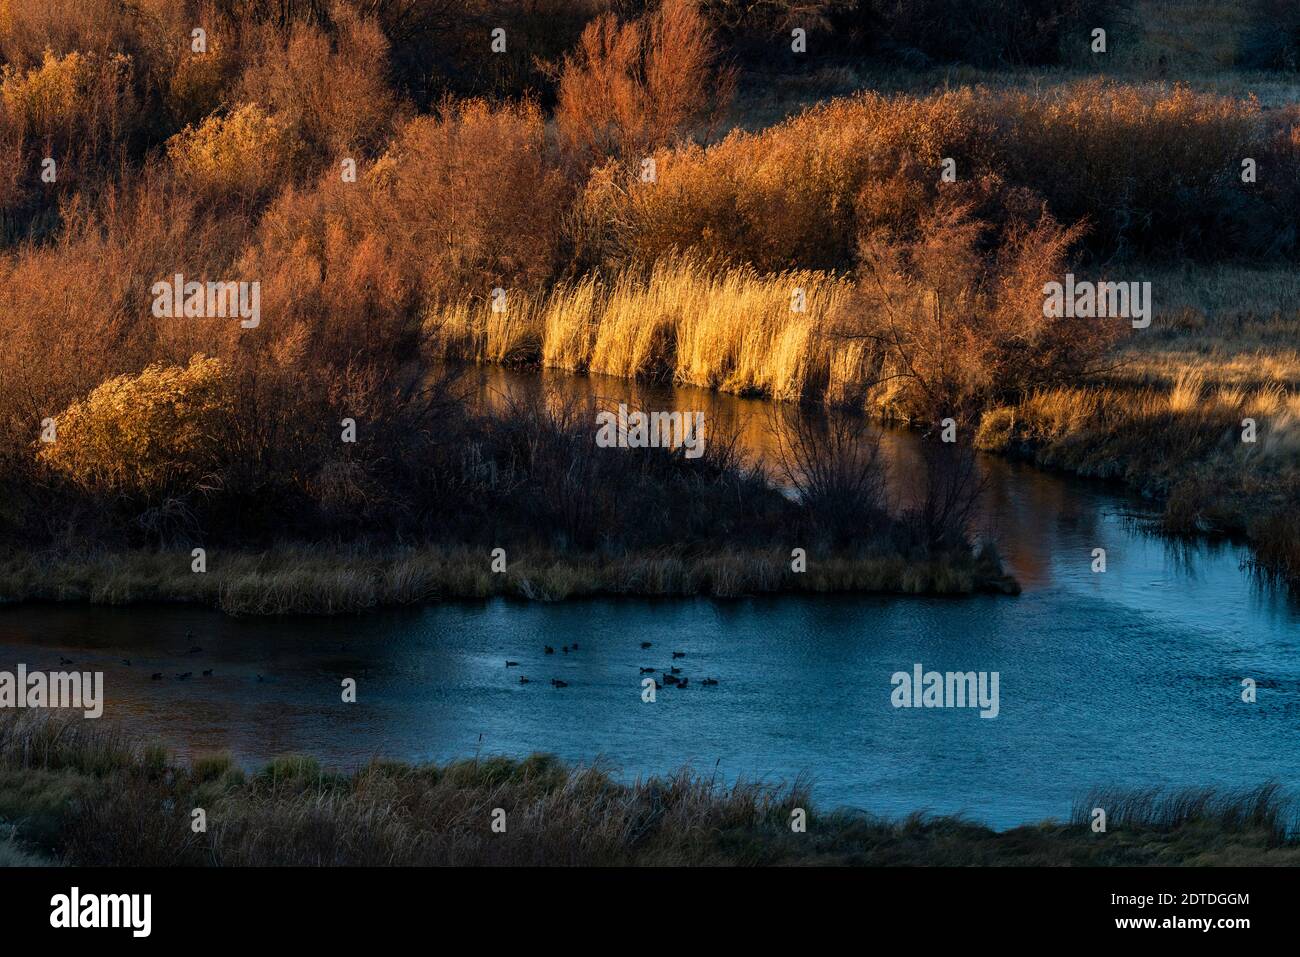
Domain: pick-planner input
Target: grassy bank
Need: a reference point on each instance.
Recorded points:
(1167, 417)
(74, 794)
(321, 581)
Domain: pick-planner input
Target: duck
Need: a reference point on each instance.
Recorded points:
(194, 651)
(682, 682)
(648, 671)
(709, 682)
(556, 682)
(127, 662)
(549, 650)
(670, 679)
(208, 673)
(156, 676)
(523, 679)
(64, 661)
(645, 644)
(676, 671)
(574, 646)
(679, 654)
(512, 664)
(188, 674)
(565, 649)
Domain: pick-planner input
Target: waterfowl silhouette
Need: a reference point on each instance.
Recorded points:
(512, 664)
(670, 679)
(565, 649)
(709, 681)
(679, 654)
(676, 671)
(558, 683)
(523, 679)
(188, 674)
(259, 677)
(574, 646)
(64, 661)
(208, 673)
(194, 651)
(156, 676)
(645, 644)
(682, 682)
(127, 662)
(549, 649)
(647, 671)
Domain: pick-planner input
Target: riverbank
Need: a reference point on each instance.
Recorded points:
(322, 581)
(1199, 413)
(73, 794)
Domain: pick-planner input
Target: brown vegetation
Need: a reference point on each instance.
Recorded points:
(228, 163)
(88, 796)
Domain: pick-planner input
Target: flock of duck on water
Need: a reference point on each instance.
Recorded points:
(672, 678)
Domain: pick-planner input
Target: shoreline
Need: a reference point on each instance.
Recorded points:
(309, 580)
(133, 801)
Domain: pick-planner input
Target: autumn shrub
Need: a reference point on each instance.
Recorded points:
(473, 197)
(788, 196)
(635, 86)
(29, 28)
(245, 156)
(1153, 170)
(954, 327)
(78, 109)
(143, 434)
(333, 90)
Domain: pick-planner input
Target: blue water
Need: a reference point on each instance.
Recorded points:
(1130, 678)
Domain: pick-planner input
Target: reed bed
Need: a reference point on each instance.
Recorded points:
(684, 319)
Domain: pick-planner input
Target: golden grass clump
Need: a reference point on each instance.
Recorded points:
(246, 155)
(139, 433)
(731, 329)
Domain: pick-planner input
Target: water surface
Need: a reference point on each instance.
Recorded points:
(1131, 677)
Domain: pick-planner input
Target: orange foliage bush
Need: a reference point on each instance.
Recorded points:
(633, 87)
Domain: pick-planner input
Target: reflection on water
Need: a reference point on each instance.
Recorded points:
(1131, 677)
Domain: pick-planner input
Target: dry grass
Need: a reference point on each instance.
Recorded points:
(729, 329)
(333, 581)
(88, 796)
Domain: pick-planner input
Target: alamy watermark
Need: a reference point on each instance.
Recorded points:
(952, 689)
(655, 430)
(1101, 300)
(76, 690)
(208, 300)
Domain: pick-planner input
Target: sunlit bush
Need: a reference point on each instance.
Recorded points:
(333, 90)
(474, 197)
(247, 154)
(1152, 170)
(144, 433)
(634, 86)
